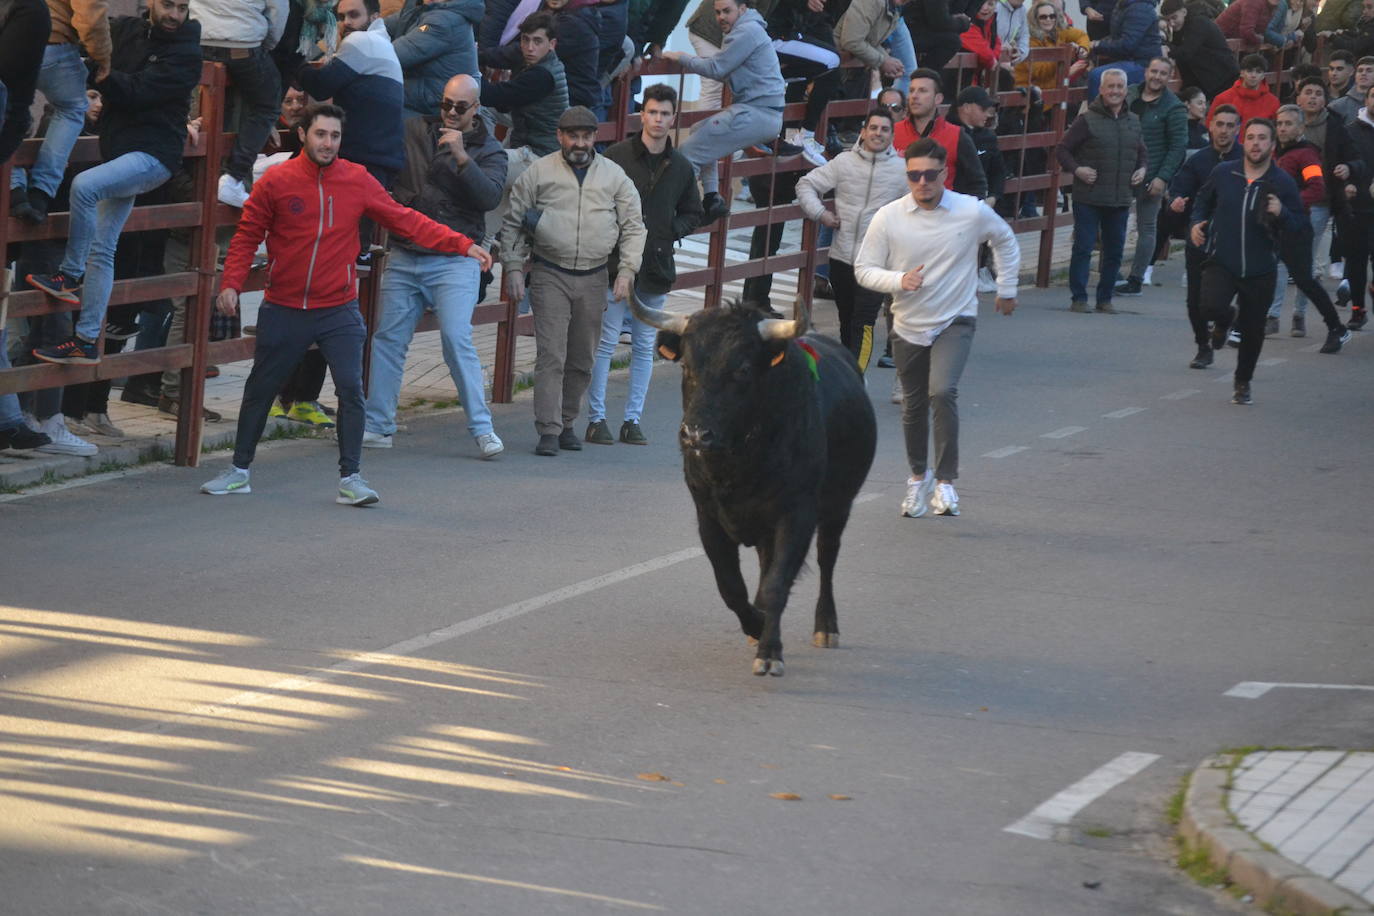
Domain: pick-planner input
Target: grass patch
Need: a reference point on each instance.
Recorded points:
(1173, 811)
(1100, 832)
(1196, 863)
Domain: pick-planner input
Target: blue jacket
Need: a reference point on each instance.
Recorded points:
(1134, 34)
(1192, 175)
(364, 79)
(1241, 236)
(434, 41)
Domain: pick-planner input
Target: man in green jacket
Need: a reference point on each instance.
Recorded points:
(1164, 128)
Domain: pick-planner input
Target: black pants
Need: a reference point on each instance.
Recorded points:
(858, 308)
(1193, 259)
(1252, 295)
(1355, 251)
(284, 336)
(306, 380)
(825, 85)
(1297, 254)
(256, 91)
(934, 49)
(779, 189)
(367, 229)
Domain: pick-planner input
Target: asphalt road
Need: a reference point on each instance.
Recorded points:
(511, 687)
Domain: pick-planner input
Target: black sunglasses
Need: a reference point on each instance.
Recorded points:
(895, 106)
(916, 176)
(458, 108)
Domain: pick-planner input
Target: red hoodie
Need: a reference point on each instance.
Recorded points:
(309, 216)
(1251, 103)
(982, 39)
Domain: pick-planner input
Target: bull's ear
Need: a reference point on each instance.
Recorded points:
(669, 345)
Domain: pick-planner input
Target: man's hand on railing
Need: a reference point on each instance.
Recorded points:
(513, 284)
(227, 302)
(892, 68)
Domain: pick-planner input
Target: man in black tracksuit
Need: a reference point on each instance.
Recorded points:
(1237, 218)
(667, 186)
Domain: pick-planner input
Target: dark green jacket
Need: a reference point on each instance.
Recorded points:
(672, 206)
(1164, 128)
(1110, 145)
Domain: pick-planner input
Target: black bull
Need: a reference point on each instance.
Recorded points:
(775, 446)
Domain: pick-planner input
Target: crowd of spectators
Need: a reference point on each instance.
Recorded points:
(482, 116)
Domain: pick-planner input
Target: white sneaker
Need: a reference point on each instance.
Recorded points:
(986, 283)
(1148, 277)
(63, 442)
(897, 390)
(233, 481)
(232, 191)
(375, 440)
(813, 152)
(490, 445)
(1336, 271)
(917, 499)
(944, 500)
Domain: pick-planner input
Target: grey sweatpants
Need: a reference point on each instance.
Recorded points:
(737, 127)
(930, 385)
(567, 325)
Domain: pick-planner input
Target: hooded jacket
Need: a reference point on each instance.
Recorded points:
(433, 42)
(433, 184)
(1241, 235)
(148, 92)
(670, 202)
(982, 40)
(309, 216)
(1134, 34)
(1251, 103)
(863, 182)
(747, 60)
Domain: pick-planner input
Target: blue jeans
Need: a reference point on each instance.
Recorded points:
(641, 356)
(10, 414)
(899, 46)
(1088, 220)
(824, 237)
(1318, 216)
(101, 200)
(1134, 74)
(413, 283)
(62, 80)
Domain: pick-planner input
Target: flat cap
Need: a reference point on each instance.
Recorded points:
(578, 117)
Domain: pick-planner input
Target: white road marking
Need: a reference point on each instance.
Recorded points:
(1272, 361)
(1180, 395)
(867, 497)
(1250, 690)
(1041, 823)
(1124, 412)
(364, 660)
(1005, 452)
(1312, 349)
(1228, 377)
(1064, 432)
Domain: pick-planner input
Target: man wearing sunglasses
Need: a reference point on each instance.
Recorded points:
(922, 249)
(454, 174)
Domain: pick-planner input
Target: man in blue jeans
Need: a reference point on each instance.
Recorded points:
(667, 189)
(147, 95)
(62, 80)
(454, 173)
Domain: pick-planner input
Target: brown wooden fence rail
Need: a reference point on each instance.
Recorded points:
(205, 214)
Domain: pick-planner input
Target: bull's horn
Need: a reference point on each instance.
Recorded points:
(664, 321)
(779, 329)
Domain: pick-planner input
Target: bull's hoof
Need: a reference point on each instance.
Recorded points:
(771, 666)
(826, 640)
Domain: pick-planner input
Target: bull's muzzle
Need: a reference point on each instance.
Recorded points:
(697, 438)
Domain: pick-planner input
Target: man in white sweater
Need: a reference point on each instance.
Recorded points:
(922, 249)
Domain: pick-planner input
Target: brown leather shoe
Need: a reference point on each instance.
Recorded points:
(172, 406)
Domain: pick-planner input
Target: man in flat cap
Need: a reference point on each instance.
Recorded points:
(570, 213)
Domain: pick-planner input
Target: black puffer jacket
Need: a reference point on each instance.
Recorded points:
(148, 92)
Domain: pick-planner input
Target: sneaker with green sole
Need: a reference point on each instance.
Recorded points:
(354, 491)
(232, 481)
(309, 412)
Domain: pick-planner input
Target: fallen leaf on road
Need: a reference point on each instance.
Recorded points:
(786, 796)
(564, 769)
(719, 781)
(841, 798)
(653, 777)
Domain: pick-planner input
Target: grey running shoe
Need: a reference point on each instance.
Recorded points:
(945, 501)
(917, 499)
(490, 445)
(231, 481)
(1271, 326)
(354, 491)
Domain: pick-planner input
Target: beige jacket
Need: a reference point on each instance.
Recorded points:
(575, 226)
(85, 22)
(864, 27)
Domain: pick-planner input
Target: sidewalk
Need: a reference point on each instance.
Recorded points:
(1294, 828)
(150, 436)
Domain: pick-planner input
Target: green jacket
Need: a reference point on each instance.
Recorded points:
(1164, 128)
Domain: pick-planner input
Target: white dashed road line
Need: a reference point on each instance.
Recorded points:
(1041, 823)
(1064, 432)
(1272, 361)
(1124, 412)
(1250, 690)
(1005, 452)
(1180, 395)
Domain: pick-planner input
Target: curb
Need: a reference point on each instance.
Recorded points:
(1273, 880)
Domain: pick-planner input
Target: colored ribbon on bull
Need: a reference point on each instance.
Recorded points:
(811, 358)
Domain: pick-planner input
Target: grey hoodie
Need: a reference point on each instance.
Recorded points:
(748, 62)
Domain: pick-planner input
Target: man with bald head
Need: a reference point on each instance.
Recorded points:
(454, 173)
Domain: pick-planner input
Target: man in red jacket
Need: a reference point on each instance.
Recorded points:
(308, 209)
(1250, 95)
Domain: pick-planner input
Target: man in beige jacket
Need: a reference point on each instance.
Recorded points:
(569, 212)
(62, 80)
(864, 27)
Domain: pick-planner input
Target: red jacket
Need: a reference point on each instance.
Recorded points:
(1246, 20)
(309, 216)
(982, 39)
(1303, 161)
(1251, 103)
(942, 131)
